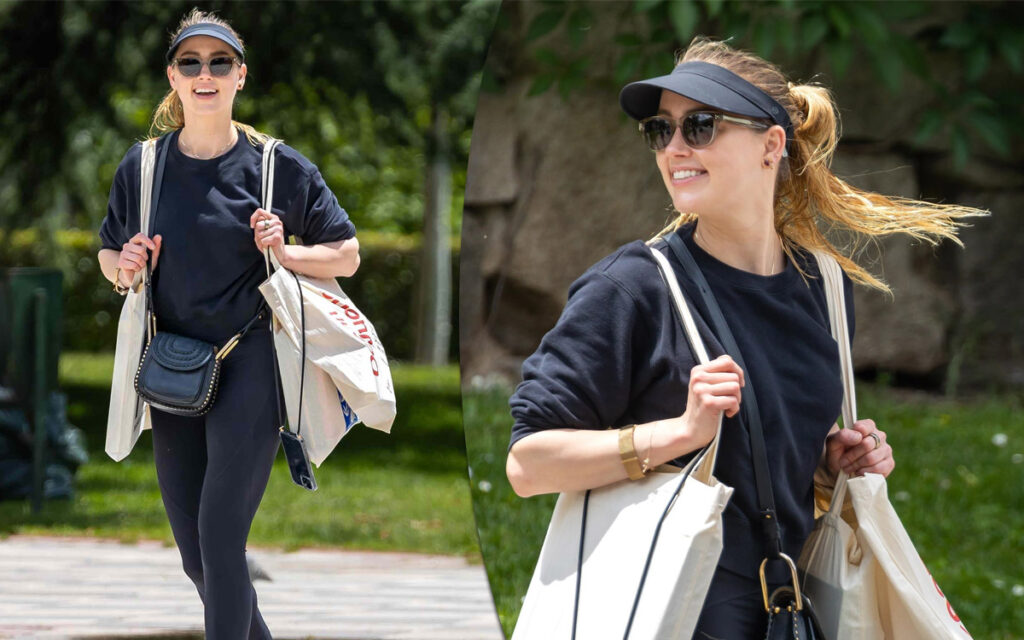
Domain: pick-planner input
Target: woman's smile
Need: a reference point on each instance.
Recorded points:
(681, 176)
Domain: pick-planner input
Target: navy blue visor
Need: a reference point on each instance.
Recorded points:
(709, 84)
(207, 29)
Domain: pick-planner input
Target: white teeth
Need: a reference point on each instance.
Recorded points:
(206, 91)
(685, 173)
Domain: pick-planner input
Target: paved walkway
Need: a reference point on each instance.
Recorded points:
(75, 588)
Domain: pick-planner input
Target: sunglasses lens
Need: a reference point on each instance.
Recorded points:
(190, 67)
(657, 132)
(221, 66)
(699, 129)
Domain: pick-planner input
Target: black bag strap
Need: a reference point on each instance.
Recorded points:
(749, 413)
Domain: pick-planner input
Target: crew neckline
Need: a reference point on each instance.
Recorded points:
(204, 162)
(712, 266)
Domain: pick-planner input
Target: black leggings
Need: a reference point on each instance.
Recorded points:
(212, 472)
(733, 609)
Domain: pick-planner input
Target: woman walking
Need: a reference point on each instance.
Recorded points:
(744, 155)
(206, 256)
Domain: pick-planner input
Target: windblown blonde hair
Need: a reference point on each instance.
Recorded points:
(808, 196)
(169, 114)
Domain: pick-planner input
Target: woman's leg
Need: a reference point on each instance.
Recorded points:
(179, 453)
(733, 609)
(241, 443)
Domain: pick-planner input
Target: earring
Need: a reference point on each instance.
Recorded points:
(767, 163)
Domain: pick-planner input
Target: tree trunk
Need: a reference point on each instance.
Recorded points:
(435, 291)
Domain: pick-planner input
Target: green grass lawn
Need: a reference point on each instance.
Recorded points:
(400, 492)
(957, 490)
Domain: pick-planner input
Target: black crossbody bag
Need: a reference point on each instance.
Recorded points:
(790, 614)
(178, 374)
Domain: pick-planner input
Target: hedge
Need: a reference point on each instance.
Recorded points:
(384, 287)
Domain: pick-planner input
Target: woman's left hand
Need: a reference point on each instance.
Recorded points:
(268, 231)
(859, 450)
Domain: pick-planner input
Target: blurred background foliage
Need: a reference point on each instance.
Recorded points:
(353, 86)
(980, 46)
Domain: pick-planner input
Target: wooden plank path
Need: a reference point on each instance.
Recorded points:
(53, 587)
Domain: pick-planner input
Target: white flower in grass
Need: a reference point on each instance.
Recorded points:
(484, 486)
(998, 584)
(1017, 458)
(1000, 439)
(1018, 590)
(945, 484)
(902, 496)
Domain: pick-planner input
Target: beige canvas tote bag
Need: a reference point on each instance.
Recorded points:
(128, 415)
(347, 377)
(867, 581)
(635, 574)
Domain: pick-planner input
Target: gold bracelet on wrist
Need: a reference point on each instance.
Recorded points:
(118, 287)
(627, 452)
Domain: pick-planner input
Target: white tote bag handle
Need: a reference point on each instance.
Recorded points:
(832, 274)
(706, 466)
(267, 194)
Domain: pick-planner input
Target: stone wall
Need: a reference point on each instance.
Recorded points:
(555, 184)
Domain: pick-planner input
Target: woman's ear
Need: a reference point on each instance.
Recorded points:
(775, 143)
(170, 76)
(242, 71)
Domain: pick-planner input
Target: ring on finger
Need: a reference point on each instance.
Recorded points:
(878, 441)
(266, 224)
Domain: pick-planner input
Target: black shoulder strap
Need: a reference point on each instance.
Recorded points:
(165, 143)
(154, 206)
(158, 181)
(749, 413)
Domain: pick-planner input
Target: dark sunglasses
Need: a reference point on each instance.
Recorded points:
(698, 127)
(220, 66)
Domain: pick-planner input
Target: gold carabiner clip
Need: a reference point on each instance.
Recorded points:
(796, 584)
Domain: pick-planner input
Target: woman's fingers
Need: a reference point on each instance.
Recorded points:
(142, 239)
(866, 446)
(878, 461)
(723, 364)
(860, 449)
(158, 242)
(268, 230)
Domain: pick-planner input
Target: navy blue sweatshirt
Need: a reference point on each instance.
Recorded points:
(619, 356)
(205, 284)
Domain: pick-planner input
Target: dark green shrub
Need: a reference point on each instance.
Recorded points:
(384, 288)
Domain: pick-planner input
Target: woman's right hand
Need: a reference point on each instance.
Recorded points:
(134, 255)
(714, 388)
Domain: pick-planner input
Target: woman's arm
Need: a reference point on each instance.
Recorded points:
(338, 259)
(327, 260)
(555, 460)
(108, 265)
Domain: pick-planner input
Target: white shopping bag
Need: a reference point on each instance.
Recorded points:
(128, 415)
(347, 376)
(868, 581)
(637, 579)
